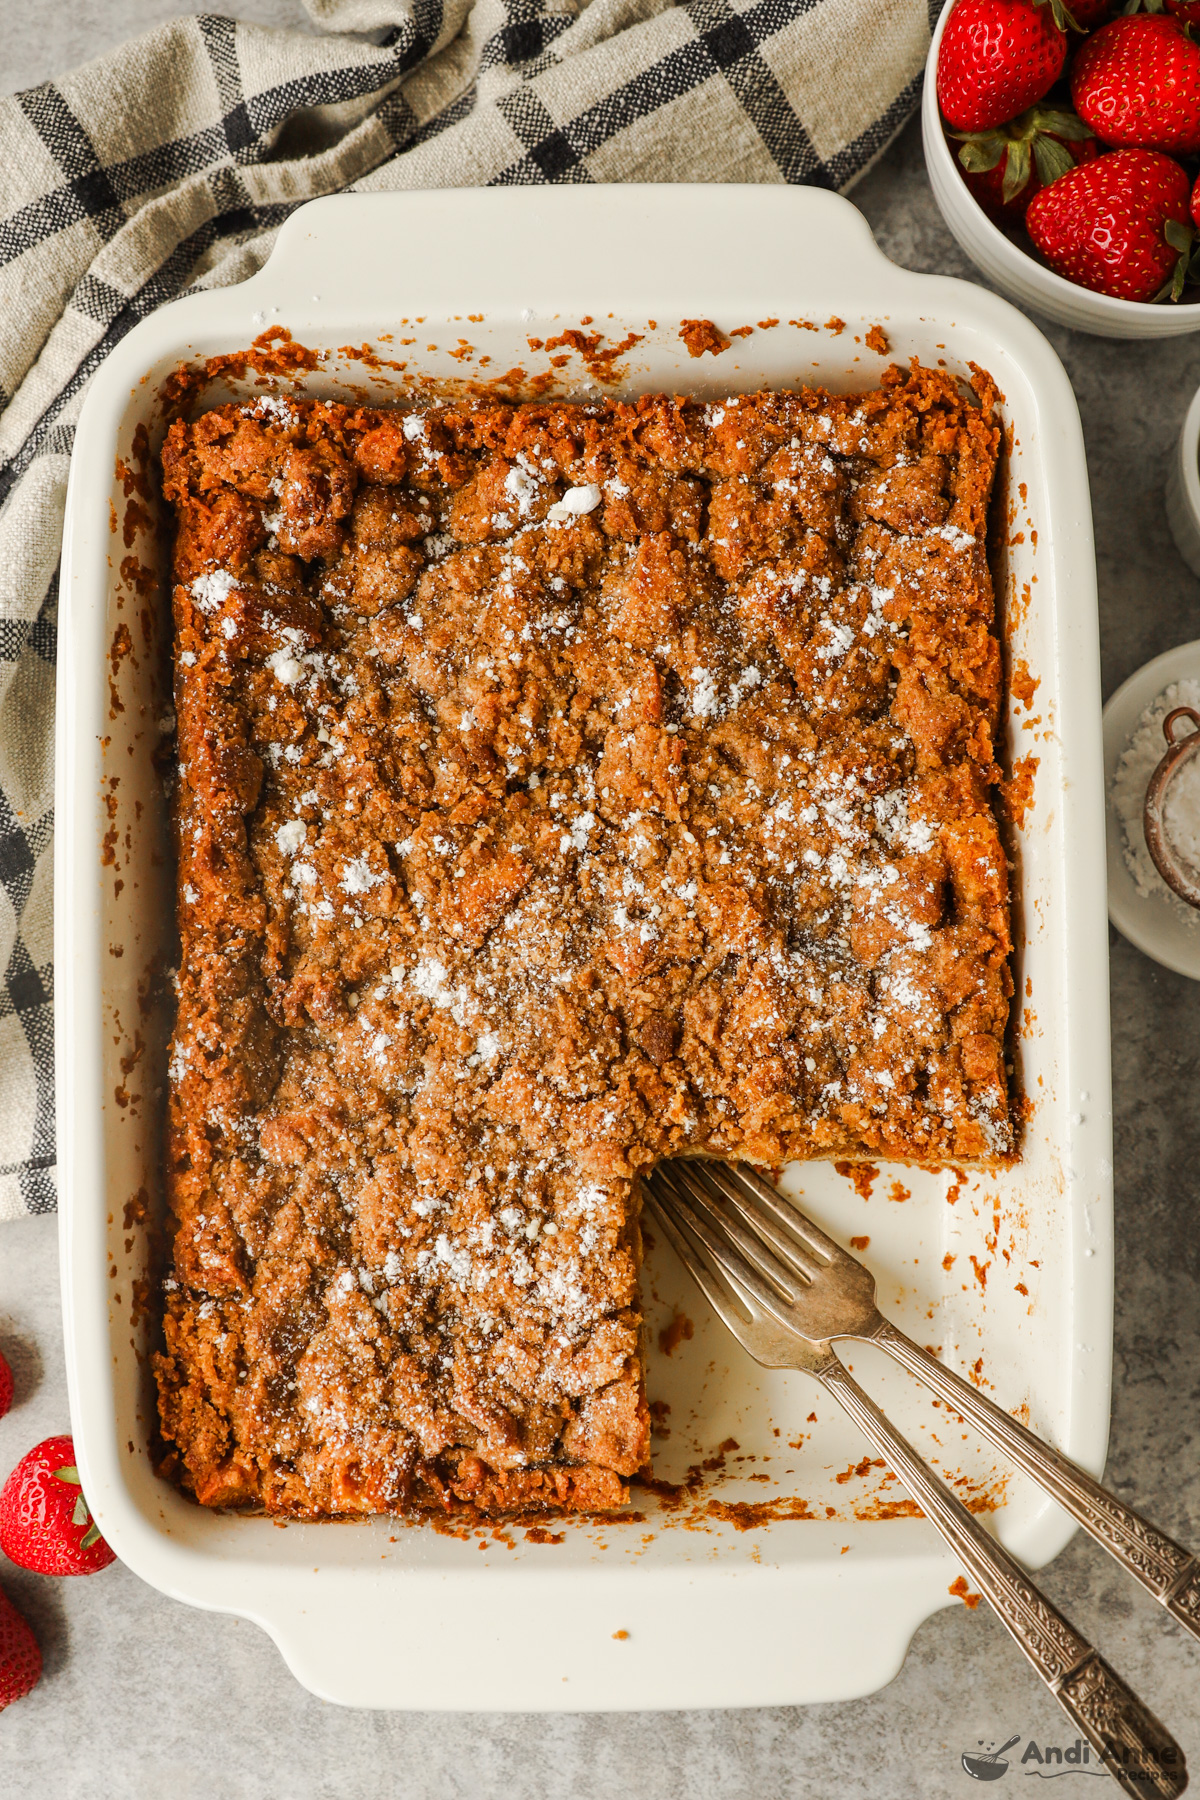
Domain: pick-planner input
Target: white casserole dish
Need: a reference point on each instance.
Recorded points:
(795, 1610)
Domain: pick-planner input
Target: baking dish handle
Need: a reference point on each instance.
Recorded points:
(334, 249)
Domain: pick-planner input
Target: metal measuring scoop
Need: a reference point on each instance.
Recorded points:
(1180, 876)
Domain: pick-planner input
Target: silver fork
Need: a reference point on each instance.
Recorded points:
(785, 1289)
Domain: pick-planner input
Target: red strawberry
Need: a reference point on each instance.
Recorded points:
(20, 1658)
(997, 58)
(1117, 225)
(1195, 204)
(1136, 82)
(45, 1523)
(6, 1386)
(1004, 169)
(1087, 14)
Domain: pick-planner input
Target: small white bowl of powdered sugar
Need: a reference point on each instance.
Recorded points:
(1140, 903)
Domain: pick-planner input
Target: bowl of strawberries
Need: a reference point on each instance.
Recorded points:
(1062, 140)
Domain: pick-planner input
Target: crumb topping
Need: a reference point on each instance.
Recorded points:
(560, 788)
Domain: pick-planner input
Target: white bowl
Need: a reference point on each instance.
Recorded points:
(382, 1615)
(1183, 488)
(1018, 273)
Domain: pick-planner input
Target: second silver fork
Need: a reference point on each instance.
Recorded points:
(784, 1289)
(832, 1295)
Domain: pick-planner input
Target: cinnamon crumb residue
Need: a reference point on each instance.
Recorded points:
(138, 578)
(877, 340)
(752, 1515)
(956, 1186)
(142, 1305)
(1017, 793)
(836, 325)
(119, 649)
(1022, 684)
(672, 1335)
(674, 1494)
(272, 353)
(859, 1243)
(874, 1510)
(700, 335)
(959, 1589)
(599, 363)
(863, 1175)
(987, 393)
(108, 854)
(371, 359)
(1018, 606)
(898, 1191)
(863, 1468)
(136, 1210)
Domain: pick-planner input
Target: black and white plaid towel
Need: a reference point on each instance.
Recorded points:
(172, 162)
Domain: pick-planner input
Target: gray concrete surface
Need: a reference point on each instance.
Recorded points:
(143, 1697)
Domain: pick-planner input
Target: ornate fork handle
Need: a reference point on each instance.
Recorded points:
(1136, 1749)
(1171, 1573)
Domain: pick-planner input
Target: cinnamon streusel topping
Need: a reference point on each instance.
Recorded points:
(561, 787)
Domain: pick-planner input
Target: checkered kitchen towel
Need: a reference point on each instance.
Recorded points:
(172, 162)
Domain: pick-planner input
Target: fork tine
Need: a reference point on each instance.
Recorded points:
(720, 1293)
(731, 1287)
(749, 1243)
(736, 1254)
(809, 1267)
(784, 1211)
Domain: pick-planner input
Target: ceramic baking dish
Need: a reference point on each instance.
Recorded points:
(787, 1571)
